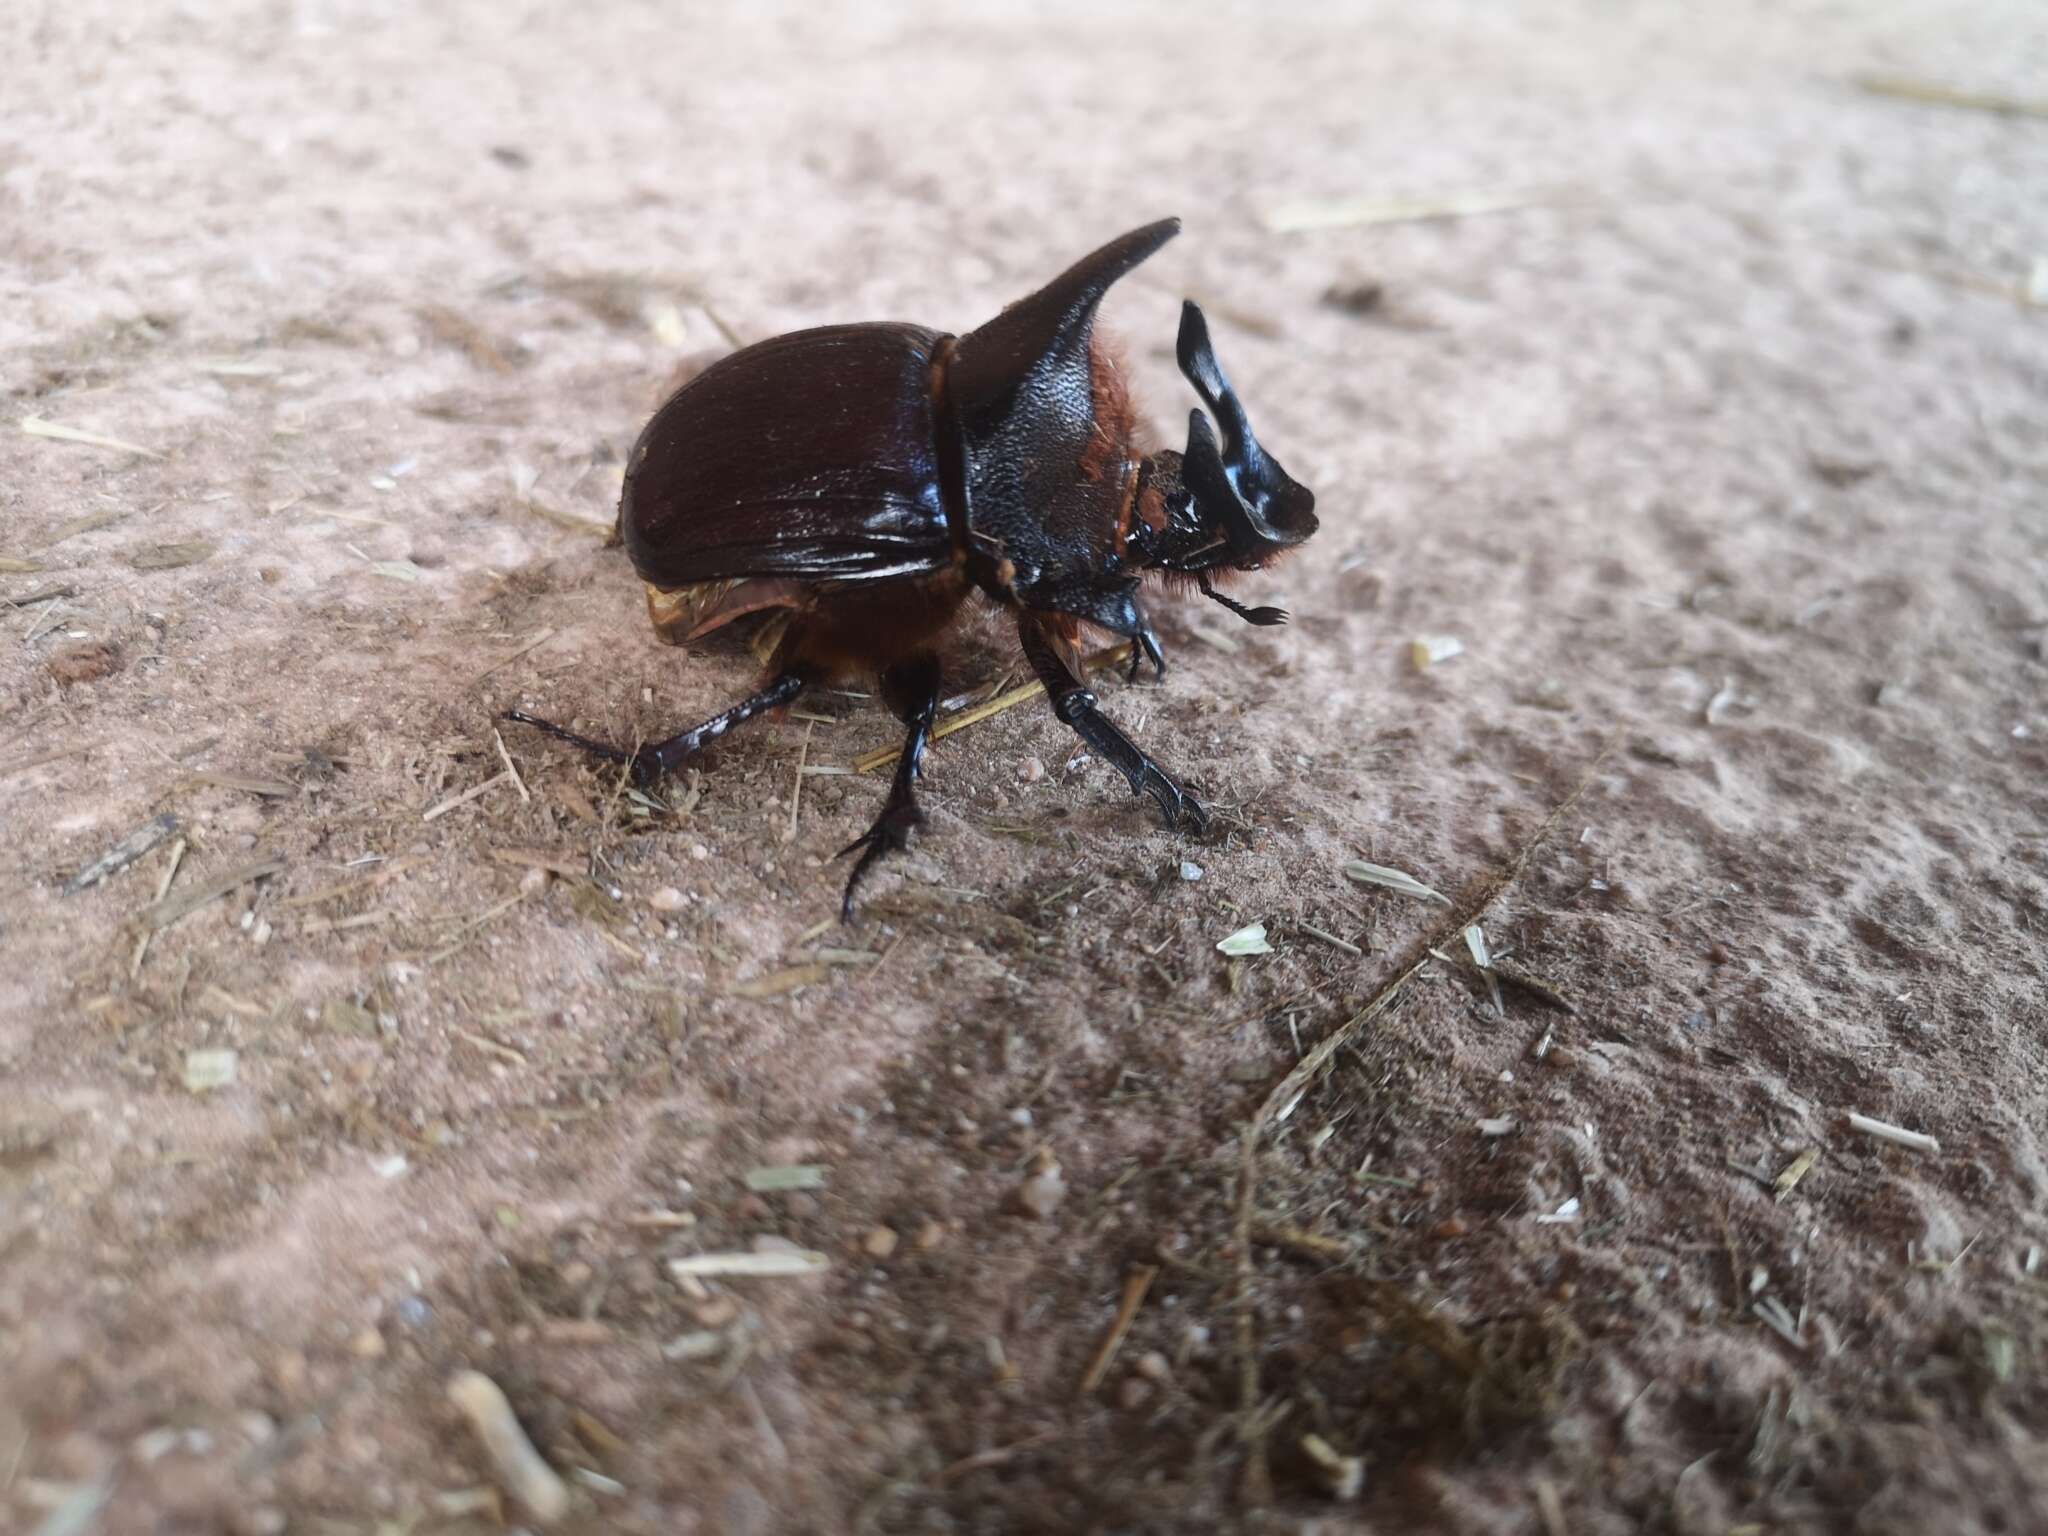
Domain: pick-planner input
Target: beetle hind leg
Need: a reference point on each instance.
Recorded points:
(911, 689)
(657, 758)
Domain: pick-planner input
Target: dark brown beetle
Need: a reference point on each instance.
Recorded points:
(867, 479)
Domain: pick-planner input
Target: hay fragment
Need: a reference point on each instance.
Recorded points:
(1342, 1477)
(169, 557)
(784, 1177)
(516, 652)
(1358, 212)
(1392, 879)
(1794, 1171)
(35, 426)
(206, 1071)
(506, 758)
(1885, 1131)
(246, 783)
(767, 1264)
(163, 888)
(787, 979)
(881, 757)
(539, 858)
(1331, 939)
(169, 910)
(1136, 1284)
(1249, 940)
(454, 801)
(1529, 982)
(1425, 651)
(1932, 93)
(519, 1466)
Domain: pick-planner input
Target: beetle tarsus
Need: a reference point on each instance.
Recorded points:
(911, 689)
(1146, 646)
(1144, 775)
(1260, 616)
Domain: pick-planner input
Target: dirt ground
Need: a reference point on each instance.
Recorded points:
(1708, 415)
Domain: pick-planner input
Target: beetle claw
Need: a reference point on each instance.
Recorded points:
(889, 834)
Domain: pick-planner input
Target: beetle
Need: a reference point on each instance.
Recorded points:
(865, 481)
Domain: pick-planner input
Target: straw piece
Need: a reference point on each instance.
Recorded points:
(1885, 1131)
(35, 426)
(1136, 1284)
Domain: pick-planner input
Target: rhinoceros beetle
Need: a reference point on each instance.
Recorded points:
(867, 480)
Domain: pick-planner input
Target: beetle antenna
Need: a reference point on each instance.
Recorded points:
(1261, 616)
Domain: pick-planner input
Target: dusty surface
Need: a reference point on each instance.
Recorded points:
(1728, 453)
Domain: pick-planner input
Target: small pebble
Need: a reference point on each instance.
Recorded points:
(1031, 770)
(879, 1243)
(533, 882)
(667, 899)
(718, 1312)
(367, 1345)
(929, 1236)
(1190, 871)
(699, 851)
(1134, 1392)
(1042, 1193)
(1153, 1366)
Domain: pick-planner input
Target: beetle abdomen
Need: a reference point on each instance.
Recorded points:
(812, 456)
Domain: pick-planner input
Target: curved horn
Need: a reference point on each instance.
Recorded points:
(1278, 504)
(1207, 478)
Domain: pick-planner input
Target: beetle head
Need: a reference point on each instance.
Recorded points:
(1229, 506)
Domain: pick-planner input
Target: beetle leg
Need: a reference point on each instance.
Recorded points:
(662, 757)
(911, 689)
(1075, 706)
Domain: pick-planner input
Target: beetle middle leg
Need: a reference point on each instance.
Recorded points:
(911, 689)
(1075, 706)
(662, 757)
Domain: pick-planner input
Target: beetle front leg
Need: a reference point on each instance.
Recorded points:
(663, 757)
(911, 689)
(1075, 706)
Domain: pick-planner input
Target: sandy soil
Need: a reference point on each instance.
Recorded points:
(1724, 451)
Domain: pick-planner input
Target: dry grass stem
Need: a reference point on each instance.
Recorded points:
(163, 889)
(518, 651)
(1884, 1130)
(506, 758)
(56, 755)
(775, 983)
(1136, 1284)
(1331, 939)
(455, 801)
(1794, 1171)
(796, 794)
(1932, 93)
(35, 426)
(169, 909)
(1357, 212)
(770, 1263)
